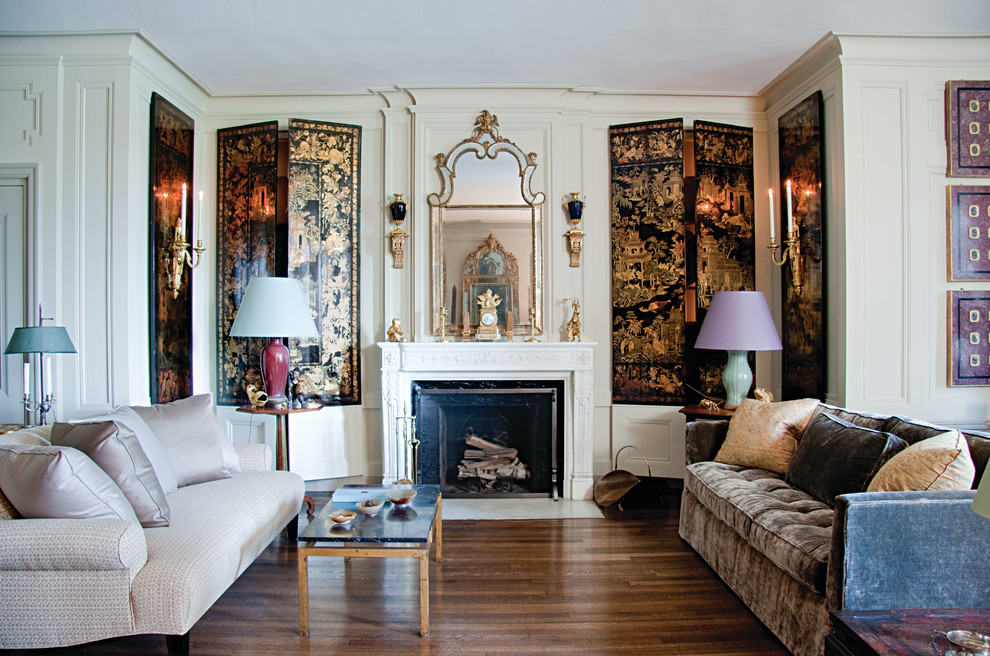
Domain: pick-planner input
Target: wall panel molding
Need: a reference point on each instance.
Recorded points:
(92, 254)
(21, 107)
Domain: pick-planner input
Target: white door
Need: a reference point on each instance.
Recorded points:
(13, 294)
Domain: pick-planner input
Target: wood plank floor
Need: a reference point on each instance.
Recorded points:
(574, 586)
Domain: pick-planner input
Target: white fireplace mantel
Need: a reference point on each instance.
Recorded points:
(570, 362)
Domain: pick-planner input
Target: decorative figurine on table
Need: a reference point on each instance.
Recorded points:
(763, 394)
(394, 332)
(257, 397)
(574, 325)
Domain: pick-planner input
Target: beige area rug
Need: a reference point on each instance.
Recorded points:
(457, 509)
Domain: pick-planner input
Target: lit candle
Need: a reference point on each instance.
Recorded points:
(27, 379)
(199, 226)
(770, 193)
(790, 218)
(182, 214)
(48, 373)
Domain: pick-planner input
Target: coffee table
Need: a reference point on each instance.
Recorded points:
(396, 532)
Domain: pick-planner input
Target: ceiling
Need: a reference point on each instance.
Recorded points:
(319, 46)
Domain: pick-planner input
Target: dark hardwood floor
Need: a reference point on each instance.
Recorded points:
(625, 585)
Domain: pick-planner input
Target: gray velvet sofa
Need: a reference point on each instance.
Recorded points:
(793, 559)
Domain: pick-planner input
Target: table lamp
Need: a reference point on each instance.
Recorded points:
(738, 322)
(39, 339)
(274, 306)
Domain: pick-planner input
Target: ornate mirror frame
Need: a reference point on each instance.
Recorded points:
(487, 263)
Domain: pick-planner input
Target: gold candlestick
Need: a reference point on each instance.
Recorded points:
(532, 325)
(443, 325)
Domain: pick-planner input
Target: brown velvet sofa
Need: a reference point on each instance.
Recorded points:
(793, 559)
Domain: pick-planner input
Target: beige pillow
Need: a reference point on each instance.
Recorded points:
(119, 453)
(191, 437)
(942, 462)
(7, 511)
(48, 481)
(765, 435)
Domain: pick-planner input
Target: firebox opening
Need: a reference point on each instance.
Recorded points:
(490, 438)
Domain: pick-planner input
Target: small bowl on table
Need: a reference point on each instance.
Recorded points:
(342, 516)
(370, 507)
(401, 496)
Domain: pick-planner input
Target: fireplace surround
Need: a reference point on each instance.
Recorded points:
(569, 362)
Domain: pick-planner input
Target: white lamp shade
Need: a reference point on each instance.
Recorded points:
(738, 321)
(273, 307)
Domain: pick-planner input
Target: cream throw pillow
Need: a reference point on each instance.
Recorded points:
(942, 462)
(765, 435)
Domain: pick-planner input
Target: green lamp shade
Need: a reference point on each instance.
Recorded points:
(40, 339)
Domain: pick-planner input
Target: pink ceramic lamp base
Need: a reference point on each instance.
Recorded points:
(275, 370)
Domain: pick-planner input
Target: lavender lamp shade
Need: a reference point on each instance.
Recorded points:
(738, 322)
(274, 308)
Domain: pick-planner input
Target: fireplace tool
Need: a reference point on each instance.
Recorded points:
(616, 484)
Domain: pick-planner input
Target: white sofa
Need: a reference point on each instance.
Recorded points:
(71, 581)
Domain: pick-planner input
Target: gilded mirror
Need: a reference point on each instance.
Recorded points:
(487, 234)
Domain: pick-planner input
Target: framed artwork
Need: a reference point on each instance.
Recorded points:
(646, 213)
(324, 215)
(969, 338)
(247, 158)
(968, 216)
(724, 249)
(170, 165)
(967, 130)
(490, 266)
(801, 143)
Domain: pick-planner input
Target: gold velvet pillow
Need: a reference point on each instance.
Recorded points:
(765, 435)
(942, 462)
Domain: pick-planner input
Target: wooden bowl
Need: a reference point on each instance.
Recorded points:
(342, 516)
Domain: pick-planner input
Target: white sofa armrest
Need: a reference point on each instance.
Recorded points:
(254, 457)
(72, 545)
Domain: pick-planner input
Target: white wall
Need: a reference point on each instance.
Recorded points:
(886, 221)
(76, 110)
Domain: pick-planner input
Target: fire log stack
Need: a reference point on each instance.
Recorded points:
(490, 462)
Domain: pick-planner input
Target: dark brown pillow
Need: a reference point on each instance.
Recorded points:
(836, 457)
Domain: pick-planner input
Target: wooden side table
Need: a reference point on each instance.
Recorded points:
(899, 632)
(697, 411)
(281, 428)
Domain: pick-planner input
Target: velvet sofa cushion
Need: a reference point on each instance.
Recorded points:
(941, 462)
(787, 525)
(837, 457)
(764, 435)
(914, 430)
(191, 437)
(53, 482)
(118, 453)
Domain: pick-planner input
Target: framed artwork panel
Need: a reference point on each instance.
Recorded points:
(968, 216)
(969, 338)
(170, 165)
(967, 130)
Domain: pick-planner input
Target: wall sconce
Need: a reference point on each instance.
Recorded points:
(177, 255)
(792, 243)
(398, 236)
(574, 236)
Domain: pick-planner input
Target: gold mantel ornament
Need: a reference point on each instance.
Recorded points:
(574, 325)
